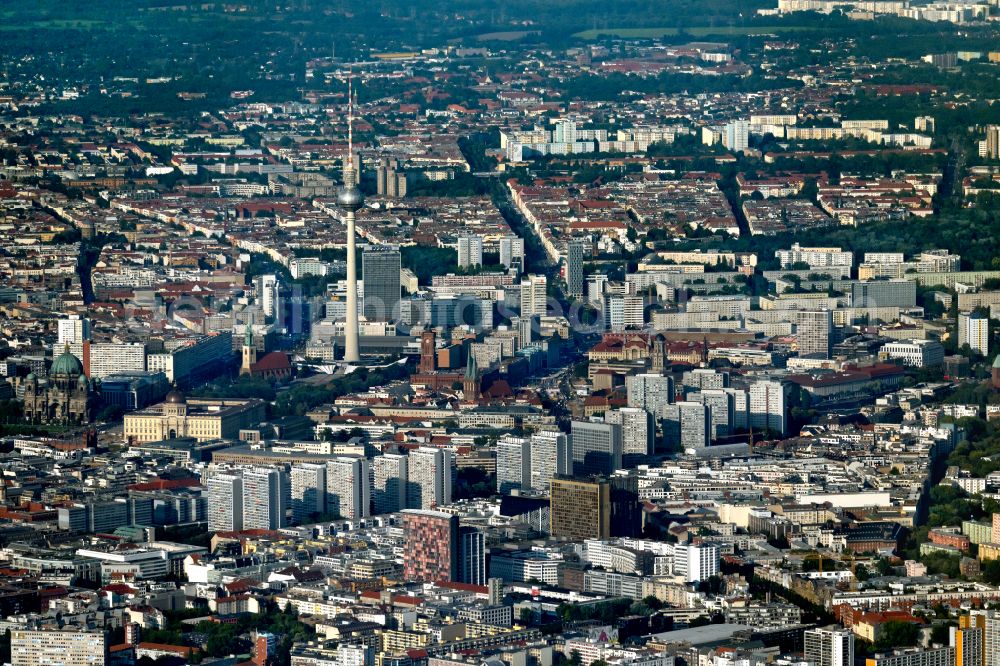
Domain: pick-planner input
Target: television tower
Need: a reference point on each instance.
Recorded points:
(350, 199)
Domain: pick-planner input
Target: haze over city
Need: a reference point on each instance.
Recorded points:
(533, 333)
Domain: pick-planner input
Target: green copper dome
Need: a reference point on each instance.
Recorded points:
(66, 364)
(996, 361)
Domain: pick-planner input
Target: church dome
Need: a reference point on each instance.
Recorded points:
(67, 365)
(175, 397)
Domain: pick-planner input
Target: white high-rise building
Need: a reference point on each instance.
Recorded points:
(264, 492)
(768, 408)
(649, 391)
(550, 455)
(109, 358)
(623, 311)
(736, 135)
(687, 425)
(74, 329)
(814, 331)
(696, 562)
(348, 488)
(267, 297)
(389, 474)
(470, 251)
(534, 295)
(741, 408)
(308, 492)
(472, 556)
(52, 647)
(225, 501)
(831, 646)
(513, 464)
(596, 285)
(721, 403)
(429, 483)
(815, 257)
(511, 251)
(638, 432)
(974, 330)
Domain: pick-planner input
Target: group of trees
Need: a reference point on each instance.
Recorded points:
(219, 640)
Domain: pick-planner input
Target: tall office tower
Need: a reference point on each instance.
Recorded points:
(580, 509)
(768, 408)
(650, 392)
(308, 492)
(267, 295)
(705, 378)
(974, 330)
(736, 135)
(814, 330)
(511, 251)
(696, 562)
(741, 408)
(687, 425)
(264, 492)
(73, 329)
(564, 132)
(722, 405)
(829, 647)
(595, 508)
(382, 285)
(348, 487)
(470, 251)
(623, 311)
(389, 490)
(350, 200)
(596, 285)
(533, 295)
(513, 464)
(472, 556)
(55, 647)
(432, 546)
(526, 327)
(389, 181)
(574, 268)
(992, 141)
(551, 456)
(638, 433)
(626, 512)
(225, 499)
(597, 448)
(429, 478)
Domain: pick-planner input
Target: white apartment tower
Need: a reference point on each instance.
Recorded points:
(348, 488)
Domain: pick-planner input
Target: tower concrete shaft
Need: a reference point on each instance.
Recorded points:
(351, 349)
(350, 199)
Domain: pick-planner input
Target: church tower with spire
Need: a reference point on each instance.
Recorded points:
(470, 384)
(249, 352)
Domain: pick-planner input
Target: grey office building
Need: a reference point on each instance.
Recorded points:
(380, 270)
(597, 448)
(687, 425)
(574, 268)
(884, 293)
